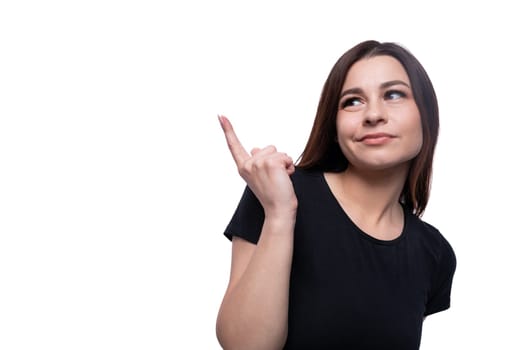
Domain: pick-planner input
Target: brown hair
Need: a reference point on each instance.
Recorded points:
(324, 154)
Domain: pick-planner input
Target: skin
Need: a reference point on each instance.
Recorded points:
(379, 131)
(377, 98)
(254, 311)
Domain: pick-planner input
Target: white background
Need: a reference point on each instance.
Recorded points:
(116, 183)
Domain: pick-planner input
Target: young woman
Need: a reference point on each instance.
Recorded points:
(331, 253)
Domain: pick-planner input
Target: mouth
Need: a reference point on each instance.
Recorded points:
(378, 135)
(376, 138)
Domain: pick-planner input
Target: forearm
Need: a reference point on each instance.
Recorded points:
(254, 313)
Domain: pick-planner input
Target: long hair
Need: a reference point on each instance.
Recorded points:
(324, 154)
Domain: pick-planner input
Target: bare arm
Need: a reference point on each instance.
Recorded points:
(254, 311)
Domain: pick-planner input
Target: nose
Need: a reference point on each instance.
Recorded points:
(374, 113)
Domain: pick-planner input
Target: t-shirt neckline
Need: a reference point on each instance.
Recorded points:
(354, 225)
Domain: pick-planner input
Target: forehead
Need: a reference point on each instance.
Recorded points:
(373, 71)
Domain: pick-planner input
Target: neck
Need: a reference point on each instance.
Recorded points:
(374, 194)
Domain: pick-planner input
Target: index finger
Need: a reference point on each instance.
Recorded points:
(238, 152)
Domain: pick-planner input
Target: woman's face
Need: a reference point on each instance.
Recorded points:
(378, 122)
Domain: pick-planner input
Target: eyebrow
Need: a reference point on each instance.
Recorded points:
(384, 85)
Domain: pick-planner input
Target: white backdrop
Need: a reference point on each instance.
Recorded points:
(116, 183)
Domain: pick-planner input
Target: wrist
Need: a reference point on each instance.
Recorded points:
(282, 217)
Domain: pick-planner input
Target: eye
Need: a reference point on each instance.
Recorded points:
(394, 95)
(350, 102)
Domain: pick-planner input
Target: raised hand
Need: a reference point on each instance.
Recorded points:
(266, 171)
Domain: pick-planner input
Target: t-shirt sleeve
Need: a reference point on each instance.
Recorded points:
(439, 297)
(248, 218)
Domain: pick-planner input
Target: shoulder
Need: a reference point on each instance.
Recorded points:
(301, 174)
(427, 230)
(305, 180)
(432, 239)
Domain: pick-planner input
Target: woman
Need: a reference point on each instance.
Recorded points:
(330, 253)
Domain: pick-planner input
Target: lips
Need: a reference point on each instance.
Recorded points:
(379, 135)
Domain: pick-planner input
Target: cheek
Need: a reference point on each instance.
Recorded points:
(418, 144)
(417, 135)
(345, 126)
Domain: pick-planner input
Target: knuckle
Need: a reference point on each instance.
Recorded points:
(259, 163)
(243, 171)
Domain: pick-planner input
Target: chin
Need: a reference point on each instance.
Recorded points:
(381, 165)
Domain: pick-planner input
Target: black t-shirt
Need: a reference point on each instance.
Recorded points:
(349, 290)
